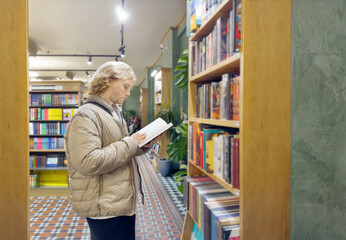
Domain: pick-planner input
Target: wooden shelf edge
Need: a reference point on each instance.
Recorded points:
(47, 150)
(217, 179)
(222, 123)
(228, 65)
(49, 169)
(55, 106)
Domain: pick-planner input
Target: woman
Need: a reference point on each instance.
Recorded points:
(104, 179)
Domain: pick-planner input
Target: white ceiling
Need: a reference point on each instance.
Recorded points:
(92, 27)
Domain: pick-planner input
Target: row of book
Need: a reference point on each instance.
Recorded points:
(46, 143)
(47, 161)
(215, 150)
(51, 113)
(199, 12)
(52, 128)
(214, 209)
(221, 43)
(219, 99)
(34, 180)
(53, 99)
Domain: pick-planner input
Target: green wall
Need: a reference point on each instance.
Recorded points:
(132, 102)
(175, 44)
(318, 120)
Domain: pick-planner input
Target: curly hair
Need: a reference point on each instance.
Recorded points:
(108, 71)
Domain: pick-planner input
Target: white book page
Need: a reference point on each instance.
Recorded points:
(153, 130)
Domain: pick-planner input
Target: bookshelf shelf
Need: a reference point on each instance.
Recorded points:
(215, 178)
(56, 100)
(222, 123)
(50, 169)
(47, 150)
(49, 120)
(229, 65)
(54, 106)
(263, 100)
(46, 135)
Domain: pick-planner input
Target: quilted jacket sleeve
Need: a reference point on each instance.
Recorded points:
(87, 155)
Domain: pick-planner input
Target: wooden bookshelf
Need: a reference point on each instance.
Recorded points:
(164, 79)
(70, 94)
(264, 125)
(163, 88)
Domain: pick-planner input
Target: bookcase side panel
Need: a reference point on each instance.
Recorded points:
(265, 120)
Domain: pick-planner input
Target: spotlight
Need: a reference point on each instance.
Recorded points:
(122, 15)
(87, 74)
(122, 48)
(89, 61)
(155, 71)
(122, 53)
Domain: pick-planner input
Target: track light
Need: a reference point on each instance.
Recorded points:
(87, 74)
(90, 61)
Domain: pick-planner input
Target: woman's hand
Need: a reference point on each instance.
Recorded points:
(152, 142)
(139, 137)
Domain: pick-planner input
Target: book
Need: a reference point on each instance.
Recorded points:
(196, 233)
(153, 130)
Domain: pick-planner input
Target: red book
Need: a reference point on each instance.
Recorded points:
(201, 149)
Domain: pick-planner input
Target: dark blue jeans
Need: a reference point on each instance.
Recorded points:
(122, 227)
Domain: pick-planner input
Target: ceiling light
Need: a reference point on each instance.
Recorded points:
(33, 74)
(155, 71)
(87, 74)
(122, 15)
(90, 61)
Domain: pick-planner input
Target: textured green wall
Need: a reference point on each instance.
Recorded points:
(132, 102)
(318, 112)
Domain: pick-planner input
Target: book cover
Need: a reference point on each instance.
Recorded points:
(196, 233)
(208, 145)
(237, 25)
(154, 129)
(215, 100)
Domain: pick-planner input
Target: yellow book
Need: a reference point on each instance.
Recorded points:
(54, 114)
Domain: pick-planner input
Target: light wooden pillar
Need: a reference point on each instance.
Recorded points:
(14, 141)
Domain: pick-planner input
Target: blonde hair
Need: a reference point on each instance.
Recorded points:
(109, 71)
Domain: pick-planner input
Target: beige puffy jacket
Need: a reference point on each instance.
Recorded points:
(103, 176)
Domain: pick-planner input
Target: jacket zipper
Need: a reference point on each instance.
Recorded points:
(100, 193)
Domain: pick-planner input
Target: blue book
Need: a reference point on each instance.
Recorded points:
(196, 233)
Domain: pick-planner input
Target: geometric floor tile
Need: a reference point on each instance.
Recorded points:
(161, 217)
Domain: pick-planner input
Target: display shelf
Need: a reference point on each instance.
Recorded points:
(198, 171)
(43, 94)
(229, 65)
(49, 169)
(263, 64)
(54, 106)
(47, 150)
(216, 122)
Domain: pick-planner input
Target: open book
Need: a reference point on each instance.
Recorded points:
(153, 130)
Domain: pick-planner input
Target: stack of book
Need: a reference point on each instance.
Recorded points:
(215, 209)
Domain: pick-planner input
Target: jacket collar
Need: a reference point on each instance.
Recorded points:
(111, 108)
